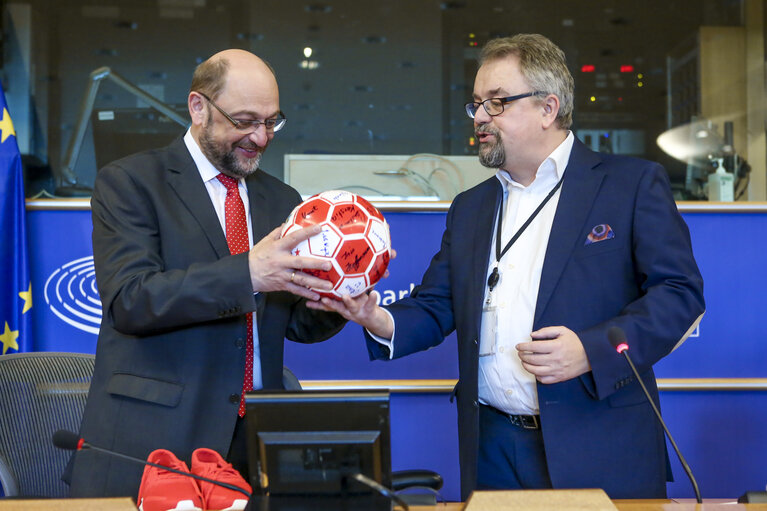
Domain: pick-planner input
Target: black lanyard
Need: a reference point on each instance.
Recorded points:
(492, 280)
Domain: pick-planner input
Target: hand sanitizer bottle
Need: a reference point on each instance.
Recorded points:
(720, 184)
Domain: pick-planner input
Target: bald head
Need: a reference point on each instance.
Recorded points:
(229, 90)
(237, 79)
(212, 76)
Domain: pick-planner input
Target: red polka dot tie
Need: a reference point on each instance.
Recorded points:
(237, 239)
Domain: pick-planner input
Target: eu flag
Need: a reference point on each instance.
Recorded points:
(15, 286)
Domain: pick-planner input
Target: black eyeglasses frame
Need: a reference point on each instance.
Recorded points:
(473, 106)
(242, 125)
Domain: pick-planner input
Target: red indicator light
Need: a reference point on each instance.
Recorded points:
(588, 68)
(627, 69)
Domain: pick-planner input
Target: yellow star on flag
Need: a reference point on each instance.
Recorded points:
(6, 126)
(8, 338)
(27, 297)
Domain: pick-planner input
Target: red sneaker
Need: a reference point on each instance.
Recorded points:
(162, 490)
(208, 463)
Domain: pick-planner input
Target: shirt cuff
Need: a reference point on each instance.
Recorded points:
(389, 343)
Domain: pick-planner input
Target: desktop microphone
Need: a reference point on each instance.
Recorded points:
(617, 338)
(70, 441)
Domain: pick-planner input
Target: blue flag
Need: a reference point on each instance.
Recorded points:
(15, 285)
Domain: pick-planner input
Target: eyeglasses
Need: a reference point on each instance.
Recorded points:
(494, 106)
(271, 124)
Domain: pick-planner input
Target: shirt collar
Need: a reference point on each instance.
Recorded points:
(204, 166)
(550, 170)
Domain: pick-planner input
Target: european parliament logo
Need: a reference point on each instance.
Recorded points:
(71, 294)
(15, 286)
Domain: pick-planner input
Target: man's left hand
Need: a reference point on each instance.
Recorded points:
(556, 355)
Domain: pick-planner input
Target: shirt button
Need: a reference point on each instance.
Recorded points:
(501, 349)
(509, 392)
(234, 398)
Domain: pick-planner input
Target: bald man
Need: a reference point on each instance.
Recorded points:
(191, 285)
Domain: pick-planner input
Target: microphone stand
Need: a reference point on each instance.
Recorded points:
(685, 466)
(86, 445)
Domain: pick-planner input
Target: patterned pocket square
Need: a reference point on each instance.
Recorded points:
(599, 233)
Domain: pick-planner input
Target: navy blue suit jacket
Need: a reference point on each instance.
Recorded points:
(598, 429)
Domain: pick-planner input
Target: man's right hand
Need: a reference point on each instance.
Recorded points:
(363, 310)
(274, 268)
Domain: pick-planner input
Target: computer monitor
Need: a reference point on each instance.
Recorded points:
(310, 443)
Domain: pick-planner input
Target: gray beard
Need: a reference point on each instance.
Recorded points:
(492, 155)
(226, 161)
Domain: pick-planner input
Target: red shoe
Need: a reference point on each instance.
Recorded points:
(208, 463)
(162, 490)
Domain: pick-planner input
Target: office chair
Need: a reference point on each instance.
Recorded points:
(401, 480)
(40, 392)
(289, 380)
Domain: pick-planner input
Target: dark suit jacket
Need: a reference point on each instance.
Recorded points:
(171, 351)
(598, 429)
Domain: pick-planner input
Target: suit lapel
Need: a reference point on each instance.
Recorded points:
(185, 180)
(259, 214)
(483, 237)
(579, 188)
(261, 225)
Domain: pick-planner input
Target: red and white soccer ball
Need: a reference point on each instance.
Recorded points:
(354, 238)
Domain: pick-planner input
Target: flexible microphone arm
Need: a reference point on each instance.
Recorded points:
(383, 490)
(617, 338)
(69, 441)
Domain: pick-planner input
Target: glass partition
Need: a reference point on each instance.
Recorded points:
(374, 91)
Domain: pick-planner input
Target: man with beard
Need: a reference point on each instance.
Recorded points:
(536, 264)
(197, 288)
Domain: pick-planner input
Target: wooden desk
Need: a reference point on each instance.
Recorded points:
(126, 504)
(641, 505)
(118, 504)
(686, 505)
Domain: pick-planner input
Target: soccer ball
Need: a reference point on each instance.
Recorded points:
(354, 238)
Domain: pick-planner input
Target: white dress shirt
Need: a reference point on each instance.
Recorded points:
(507, 319)
(217, 192)
(508, 311)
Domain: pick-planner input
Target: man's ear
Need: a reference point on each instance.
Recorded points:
(197, 110)
(550, 110)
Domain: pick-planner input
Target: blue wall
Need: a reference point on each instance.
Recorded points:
(720, 433)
